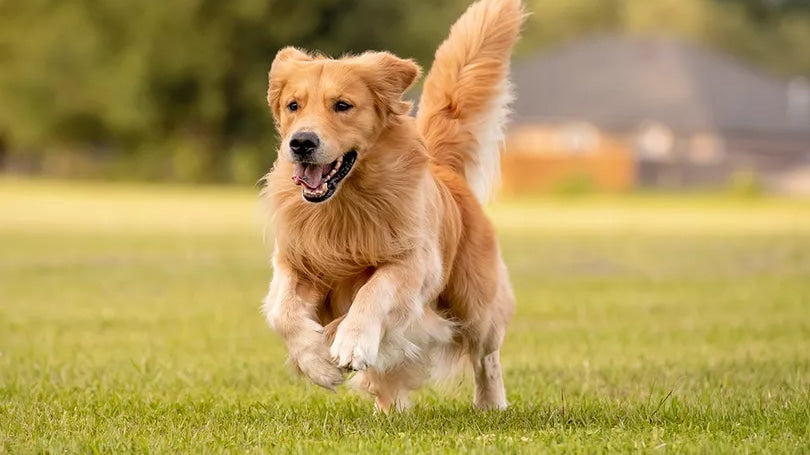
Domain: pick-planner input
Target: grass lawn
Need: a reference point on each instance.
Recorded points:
(129, 321)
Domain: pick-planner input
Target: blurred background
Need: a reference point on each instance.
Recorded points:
(613, 95)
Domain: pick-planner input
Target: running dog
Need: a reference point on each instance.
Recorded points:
(384, 260)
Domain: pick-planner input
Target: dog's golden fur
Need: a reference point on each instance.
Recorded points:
(399, 271)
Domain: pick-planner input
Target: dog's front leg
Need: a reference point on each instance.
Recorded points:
(390, 296)
(290, 308)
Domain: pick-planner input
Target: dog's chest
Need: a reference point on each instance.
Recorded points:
(340, 248)
(342, 293)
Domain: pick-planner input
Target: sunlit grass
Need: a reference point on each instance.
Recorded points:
(129, 321)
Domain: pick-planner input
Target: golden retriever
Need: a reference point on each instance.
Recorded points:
(384, 260)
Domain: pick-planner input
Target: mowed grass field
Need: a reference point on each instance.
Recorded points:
(129, 322)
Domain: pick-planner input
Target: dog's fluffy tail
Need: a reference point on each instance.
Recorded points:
(466, 95)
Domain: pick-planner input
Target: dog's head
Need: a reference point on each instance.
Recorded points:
(329, 112)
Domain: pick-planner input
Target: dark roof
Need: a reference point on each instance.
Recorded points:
(621, 82)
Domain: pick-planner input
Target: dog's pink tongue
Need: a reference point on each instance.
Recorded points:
(308, 174)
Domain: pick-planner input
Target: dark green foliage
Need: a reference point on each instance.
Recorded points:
(174, 89)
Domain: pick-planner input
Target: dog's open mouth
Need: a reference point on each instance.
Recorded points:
(320, 181)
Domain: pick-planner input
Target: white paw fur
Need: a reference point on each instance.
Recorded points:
(356, 344)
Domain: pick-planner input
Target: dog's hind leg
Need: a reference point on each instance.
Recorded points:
(485, 345)
(489, 389)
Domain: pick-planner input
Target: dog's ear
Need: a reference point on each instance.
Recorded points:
(278, 77)
(389, 77)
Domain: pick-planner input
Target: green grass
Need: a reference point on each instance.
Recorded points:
(129, 321)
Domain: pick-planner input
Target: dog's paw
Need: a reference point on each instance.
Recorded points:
(309, 353)
(316, 365)
(356, 345)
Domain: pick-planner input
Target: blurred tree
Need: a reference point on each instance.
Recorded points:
(176, 89)
(686, 18)
(764, 10)
(772, 33)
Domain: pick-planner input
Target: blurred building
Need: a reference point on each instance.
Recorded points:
(651, 112)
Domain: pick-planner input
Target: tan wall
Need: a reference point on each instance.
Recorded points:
(536, 160)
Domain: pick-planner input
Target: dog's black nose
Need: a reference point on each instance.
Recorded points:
(304, 143)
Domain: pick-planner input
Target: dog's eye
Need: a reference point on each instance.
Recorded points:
(342, 106)
(293, 106)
